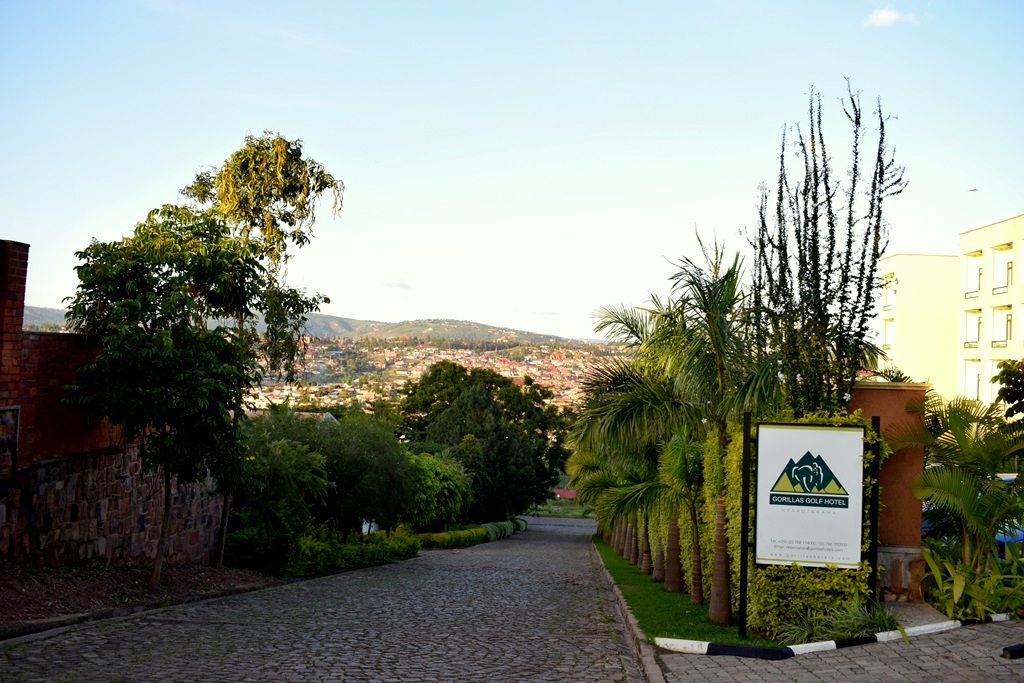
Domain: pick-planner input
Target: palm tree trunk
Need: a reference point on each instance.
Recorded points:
(696, 568)
(631, 540)
(165, 532)
(618, 538)
(673, 566)
(720, 611)
(645, 549)
(658, 573)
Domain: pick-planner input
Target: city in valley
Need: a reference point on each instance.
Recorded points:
(344, 370)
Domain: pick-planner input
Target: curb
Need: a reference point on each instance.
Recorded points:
(648, 658)
(699, 647)
(27, 630)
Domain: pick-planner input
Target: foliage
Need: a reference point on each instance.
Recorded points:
(966, 444)
(173, 384)
(269, 191)
(963, 592)
(855, 619)
(440, 492)
(499, 530)
(816, 259)
(324, 551)
(454, 539)
(280, 481)
(782, 594)
(506, 437)
(362, 458)
(1011, 389)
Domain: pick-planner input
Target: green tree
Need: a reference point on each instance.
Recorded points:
(161, 373)
(268, 192)
(441, 492)
(516, 432)
(816, 261)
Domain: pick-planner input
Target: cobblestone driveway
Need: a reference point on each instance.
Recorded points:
(534, 607)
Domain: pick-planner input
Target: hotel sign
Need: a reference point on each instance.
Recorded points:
(809, 495)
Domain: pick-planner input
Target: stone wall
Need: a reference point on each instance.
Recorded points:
(71, 489)
(101, 506)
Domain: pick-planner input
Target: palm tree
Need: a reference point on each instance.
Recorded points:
(967, 444)
(705, 355)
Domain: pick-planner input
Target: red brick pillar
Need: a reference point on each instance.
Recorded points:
(13, 272)
(899, 528)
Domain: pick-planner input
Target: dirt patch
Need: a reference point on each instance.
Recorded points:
(30, 594)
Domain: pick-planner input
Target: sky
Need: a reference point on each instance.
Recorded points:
(519, 164)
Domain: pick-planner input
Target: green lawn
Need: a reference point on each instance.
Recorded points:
(661, 614)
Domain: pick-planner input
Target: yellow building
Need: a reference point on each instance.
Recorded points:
(990, 298)
(917, 323)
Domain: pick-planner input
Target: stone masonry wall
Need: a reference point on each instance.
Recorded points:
(101, 506)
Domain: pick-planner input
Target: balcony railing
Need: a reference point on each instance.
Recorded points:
(971, 295)
(998, 344)
(970, 344)
(886, 347)
(887, 307)
(1002, 289)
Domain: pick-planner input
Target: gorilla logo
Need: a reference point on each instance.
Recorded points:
(810, 476)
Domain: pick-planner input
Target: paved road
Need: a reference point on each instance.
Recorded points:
(534, 607)
(971, 653)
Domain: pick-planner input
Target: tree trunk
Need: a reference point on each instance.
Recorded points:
(631, 543)
(720, 611)
(618, 543)
(165, 532)
(645, 549)
(222, 537)
(673, 565)
(658, 573)
(696, 569)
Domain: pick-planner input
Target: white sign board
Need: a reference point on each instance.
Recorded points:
(809, 495)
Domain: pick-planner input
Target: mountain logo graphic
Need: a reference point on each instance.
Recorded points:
(809, 482)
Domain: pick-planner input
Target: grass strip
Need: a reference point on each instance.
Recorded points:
(661, 614)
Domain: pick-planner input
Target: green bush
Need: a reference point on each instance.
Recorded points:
(499, 530)
(453, 539)
(784, 594)
(520, 523)
(323, 552)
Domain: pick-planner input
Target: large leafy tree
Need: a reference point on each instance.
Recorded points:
(508, 437)
(173, 383)
(267, 192)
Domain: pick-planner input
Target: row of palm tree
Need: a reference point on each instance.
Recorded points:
(652, 419)
(637, 443)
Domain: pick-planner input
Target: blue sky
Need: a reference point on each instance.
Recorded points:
(512, 163)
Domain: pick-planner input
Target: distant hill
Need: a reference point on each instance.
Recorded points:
(331, 326)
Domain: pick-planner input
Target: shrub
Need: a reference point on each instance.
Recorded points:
(520, 523)
(499, 530)
(323, 552)
(454, 539)
(854, 620)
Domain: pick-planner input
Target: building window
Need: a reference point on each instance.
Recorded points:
(1002, 268)
(972, 275)
(1002, 326)
(972, 329)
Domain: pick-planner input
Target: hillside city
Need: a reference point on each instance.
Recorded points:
(363, 371)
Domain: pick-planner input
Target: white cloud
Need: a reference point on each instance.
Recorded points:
(887, 17)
